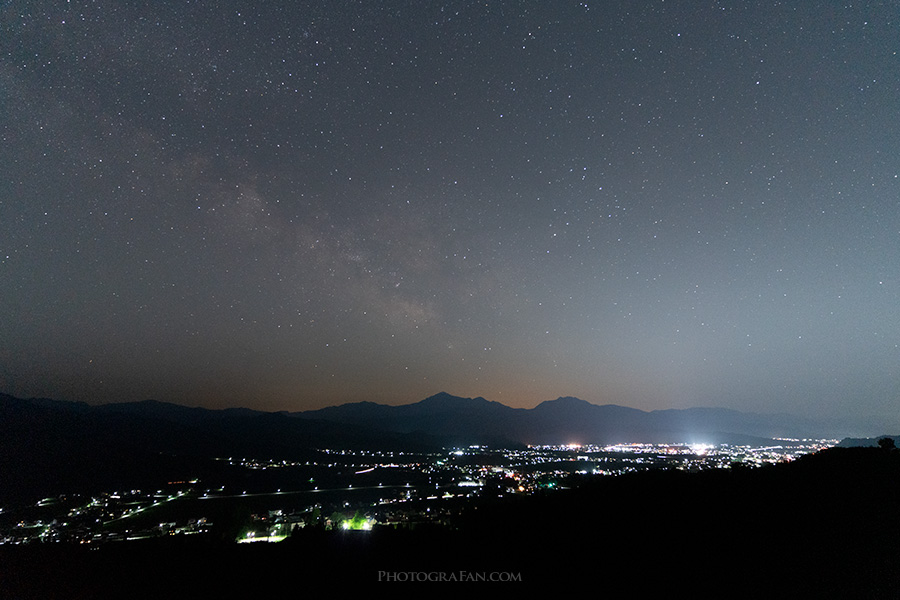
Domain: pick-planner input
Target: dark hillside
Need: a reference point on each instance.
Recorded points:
(825, 524)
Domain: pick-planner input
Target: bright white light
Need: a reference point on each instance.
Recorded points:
(700, 448)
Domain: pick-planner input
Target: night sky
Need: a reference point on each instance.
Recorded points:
(288, 205)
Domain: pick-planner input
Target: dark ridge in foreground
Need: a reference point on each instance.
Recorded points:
(869, 442)
(825, 524)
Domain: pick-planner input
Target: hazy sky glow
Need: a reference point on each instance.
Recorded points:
(286, 205)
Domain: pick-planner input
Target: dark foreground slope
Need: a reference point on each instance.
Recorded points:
(825, 524)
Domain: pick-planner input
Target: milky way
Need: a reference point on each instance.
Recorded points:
(286, 205)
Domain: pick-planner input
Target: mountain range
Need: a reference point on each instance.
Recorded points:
(572, 420)
(46, 444)
(438, 420)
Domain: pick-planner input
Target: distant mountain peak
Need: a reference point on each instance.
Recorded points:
(441, 396)
(572, 400)
(565, 401)
(445, 397)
